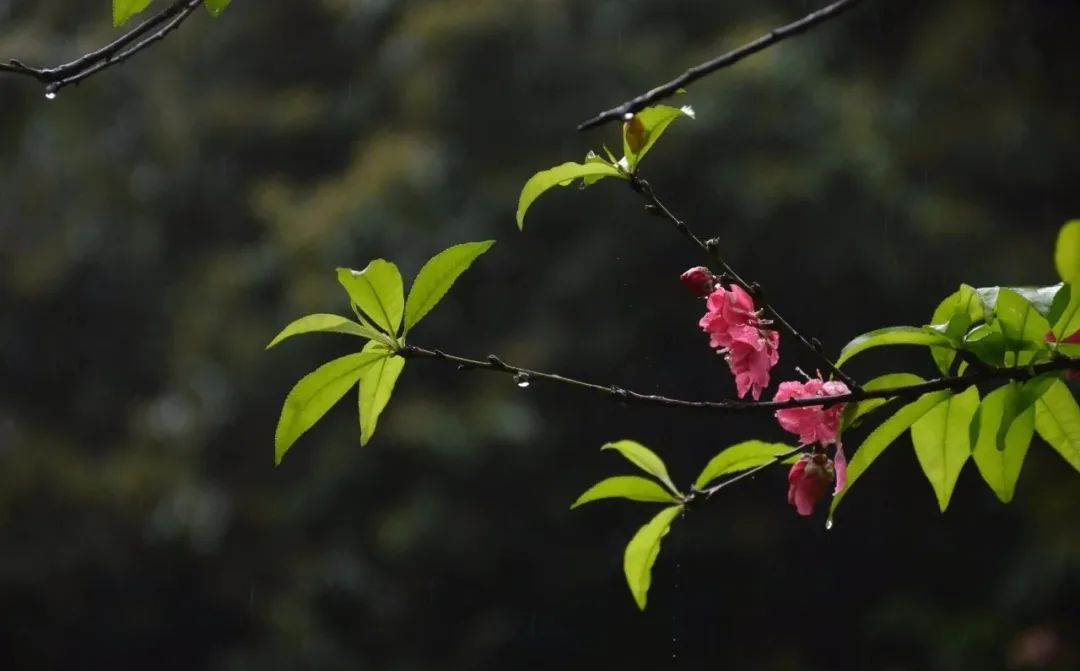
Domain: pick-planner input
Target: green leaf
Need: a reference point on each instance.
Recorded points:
(216, 7)
(942, 441)
(892, 335)
(1022, 325)
(378, 291)
(999, 455)
(1067, 251)
(883, 436)
(631, 487)
(322, 323)
(1067, 320)
(1057, 419)
(122, 10)
(316, 393)
(955, 315)
(1041, 298)
(987, 342)
(437, 276)
(642, 551)
(560, 175)
(593, 157)
(642, 131)
(645, 459)
(740, 457)
(376, 386)
(855, 411)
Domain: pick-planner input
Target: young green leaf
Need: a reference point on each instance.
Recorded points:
(942, 441)
(999, 455)
(963, 305)
(1041, 298)
(633, 487)
(378, 291)
(1067, 252)
(376, 386)
(883, 436)
(642, 131)
(437, 276)
(316, 393)
(642, 551)
(322, 323)
(1057, 419)
(645, 459)
(216, 7)
(593, 157)
(1067, 320)
(560, 175)
(891, 335)
(987, 342)
(855, 411)
(1022, 325)
(122, 10)
(740, 457)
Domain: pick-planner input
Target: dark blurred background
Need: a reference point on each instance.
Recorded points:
(161, 222)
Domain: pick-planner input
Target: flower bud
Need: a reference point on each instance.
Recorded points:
(808, 481)
(698, 280)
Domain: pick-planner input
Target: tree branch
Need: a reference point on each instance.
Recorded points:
(730, 58)
(712, 249)
(127, 45)
(524, 376)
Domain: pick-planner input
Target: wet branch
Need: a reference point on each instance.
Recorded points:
(712, 249)
(127, 45)
(707, 493)
(525, 376)
(695, 73)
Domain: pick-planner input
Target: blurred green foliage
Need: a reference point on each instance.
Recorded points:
(159, 223)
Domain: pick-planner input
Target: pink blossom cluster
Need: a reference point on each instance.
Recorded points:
(737, 330)
(810, 476)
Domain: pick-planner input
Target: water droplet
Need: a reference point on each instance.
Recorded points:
(50, 95)
(522, 380)
(828, 524)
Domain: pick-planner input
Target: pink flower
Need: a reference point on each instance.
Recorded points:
(812, 423)
(731, 315)
(736, 328)
(750, 362)
(698, 280)
(809, 480)
(840, 464)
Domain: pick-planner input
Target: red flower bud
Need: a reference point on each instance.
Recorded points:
(698, 280)
(1068, 340)
(808, 480)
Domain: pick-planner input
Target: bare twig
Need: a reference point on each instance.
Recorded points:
(127, 45)
(712, 249)
(524, 376)
(708, 492)
(730, 58)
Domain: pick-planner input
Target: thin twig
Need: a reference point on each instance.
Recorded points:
(524, 376)
(712, 249)
(146, 33)
(708, 492)
(695, 73)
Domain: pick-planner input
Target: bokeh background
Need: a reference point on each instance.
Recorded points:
(161, 222)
